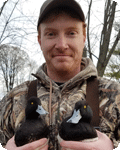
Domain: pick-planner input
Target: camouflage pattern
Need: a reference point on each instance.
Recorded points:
(63, 99)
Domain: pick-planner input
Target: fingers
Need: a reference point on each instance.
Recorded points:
(43, 148)
(11, 144)
(102, 143)
(75, 145)
(66, 148)
(103, 137)
(41, 144)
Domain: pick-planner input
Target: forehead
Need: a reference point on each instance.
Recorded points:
(55, 14)
(61, 21)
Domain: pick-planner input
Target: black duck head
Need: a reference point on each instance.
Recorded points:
(82, 111)
(34, 108)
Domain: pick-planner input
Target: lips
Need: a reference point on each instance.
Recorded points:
(61, 55)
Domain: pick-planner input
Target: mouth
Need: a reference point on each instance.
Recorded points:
(61, 55)
(62, 58)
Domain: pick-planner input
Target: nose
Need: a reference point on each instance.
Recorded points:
(61, 43)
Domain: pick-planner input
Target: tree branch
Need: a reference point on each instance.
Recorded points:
(8, 20)
(3, 7)
(88, 30)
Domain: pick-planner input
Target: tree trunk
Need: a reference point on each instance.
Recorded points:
(105, 52)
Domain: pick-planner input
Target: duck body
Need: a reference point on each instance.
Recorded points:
(77, 127)
(77, 132)
(34, 127)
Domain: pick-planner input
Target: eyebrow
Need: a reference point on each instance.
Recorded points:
(53, 29)
(49, 28)
(72, 28)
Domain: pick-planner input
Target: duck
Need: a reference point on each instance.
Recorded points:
(34, 126)
(77, 127)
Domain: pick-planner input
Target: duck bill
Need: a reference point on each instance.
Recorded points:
(75, 117)
(41, 111)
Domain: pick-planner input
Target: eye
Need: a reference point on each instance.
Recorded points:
(32, 103)
(50, 34)
(85, 106)
(72, 33)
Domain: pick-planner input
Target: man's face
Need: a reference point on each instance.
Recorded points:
(62, 42)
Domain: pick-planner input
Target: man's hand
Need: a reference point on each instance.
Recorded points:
(103, 143)
(41, 144)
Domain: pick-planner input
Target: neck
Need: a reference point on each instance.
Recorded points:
(62, 76)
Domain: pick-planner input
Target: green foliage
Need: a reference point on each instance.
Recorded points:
(114, 72)
(115, 75)
(117, 52)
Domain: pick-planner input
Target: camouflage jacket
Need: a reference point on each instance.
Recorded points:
(63, 99)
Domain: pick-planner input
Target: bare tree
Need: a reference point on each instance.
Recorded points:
(14, 26)
(88, 29)
(106, 48)
(105, 51)
(2, 8)
(12, 60)
(113, 67)
(15, 29)
(25, 73)
(6, 21)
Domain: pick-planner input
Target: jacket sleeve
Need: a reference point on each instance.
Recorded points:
(6, 120)
(10, 107)
(110, 109)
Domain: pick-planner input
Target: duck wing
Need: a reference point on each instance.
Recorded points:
(77, 132)
(30, 131)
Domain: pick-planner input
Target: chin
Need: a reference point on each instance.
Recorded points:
(63, 68)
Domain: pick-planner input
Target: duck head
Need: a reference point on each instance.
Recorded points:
(82, 111)
(34, 108)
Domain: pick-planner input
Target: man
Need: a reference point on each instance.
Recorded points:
(62, 79)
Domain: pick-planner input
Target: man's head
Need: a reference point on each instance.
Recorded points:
(61, 35)
(49, 5)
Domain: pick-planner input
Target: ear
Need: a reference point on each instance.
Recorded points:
(84, 38)
(84, 32)
(39, 39)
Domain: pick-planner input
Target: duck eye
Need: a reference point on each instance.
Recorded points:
(31, 103)
(85, 106)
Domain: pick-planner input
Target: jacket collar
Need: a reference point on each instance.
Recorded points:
(88, 70)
